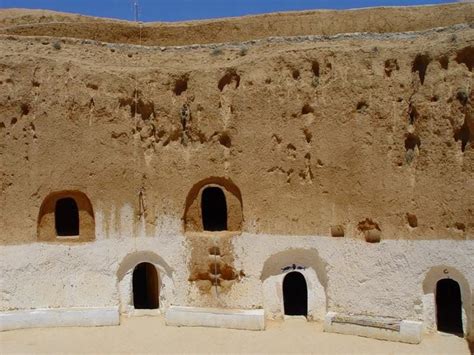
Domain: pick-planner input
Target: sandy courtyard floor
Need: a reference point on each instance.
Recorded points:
(150, 335)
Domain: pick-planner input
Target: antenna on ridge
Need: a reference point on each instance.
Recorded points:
(135, 10)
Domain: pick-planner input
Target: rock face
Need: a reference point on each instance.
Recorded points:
(364, 137)
(327, 22)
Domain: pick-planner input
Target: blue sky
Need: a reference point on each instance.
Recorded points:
(178, 10)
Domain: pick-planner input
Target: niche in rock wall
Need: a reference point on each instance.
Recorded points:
(412, 145)
(66, 216)
(138, 106)
(370, 230)
(466, 56)
(444, 62)
(295, 73)
(315, 68)
(412, 220)
(316, 72)
(181, 85)
(390, 66)
(213, 205)
(230, 77)
(464, 135)
(420, 65)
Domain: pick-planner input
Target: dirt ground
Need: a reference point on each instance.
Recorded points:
(149, 334)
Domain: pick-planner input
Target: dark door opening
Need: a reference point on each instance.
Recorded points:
(295, 294)
(214, 209)
(145, 287)
(449, 307)
(66, 217)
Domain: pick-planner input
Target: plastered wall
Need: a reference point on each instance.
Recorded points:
(394, 278)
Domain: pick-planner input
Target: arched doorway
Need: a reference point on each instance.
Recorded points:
(449, 307)
(145, 286)
(214, 209)
(295, 294)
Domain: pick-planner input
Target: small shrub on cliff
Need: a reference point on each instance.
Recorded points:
(57, 45)
(243, 51)
(217, 51)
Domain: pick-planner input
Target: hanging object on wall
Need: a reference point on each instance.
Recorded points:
(293, 267)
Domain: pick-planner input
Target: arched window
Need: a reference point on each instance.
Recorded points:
(66, 217)
(449, 307)
(213, 209)
(145, 287)
(213, 204)
(295, 294)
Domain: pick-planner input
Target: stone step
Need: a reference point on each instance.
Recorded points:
(253, 319)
